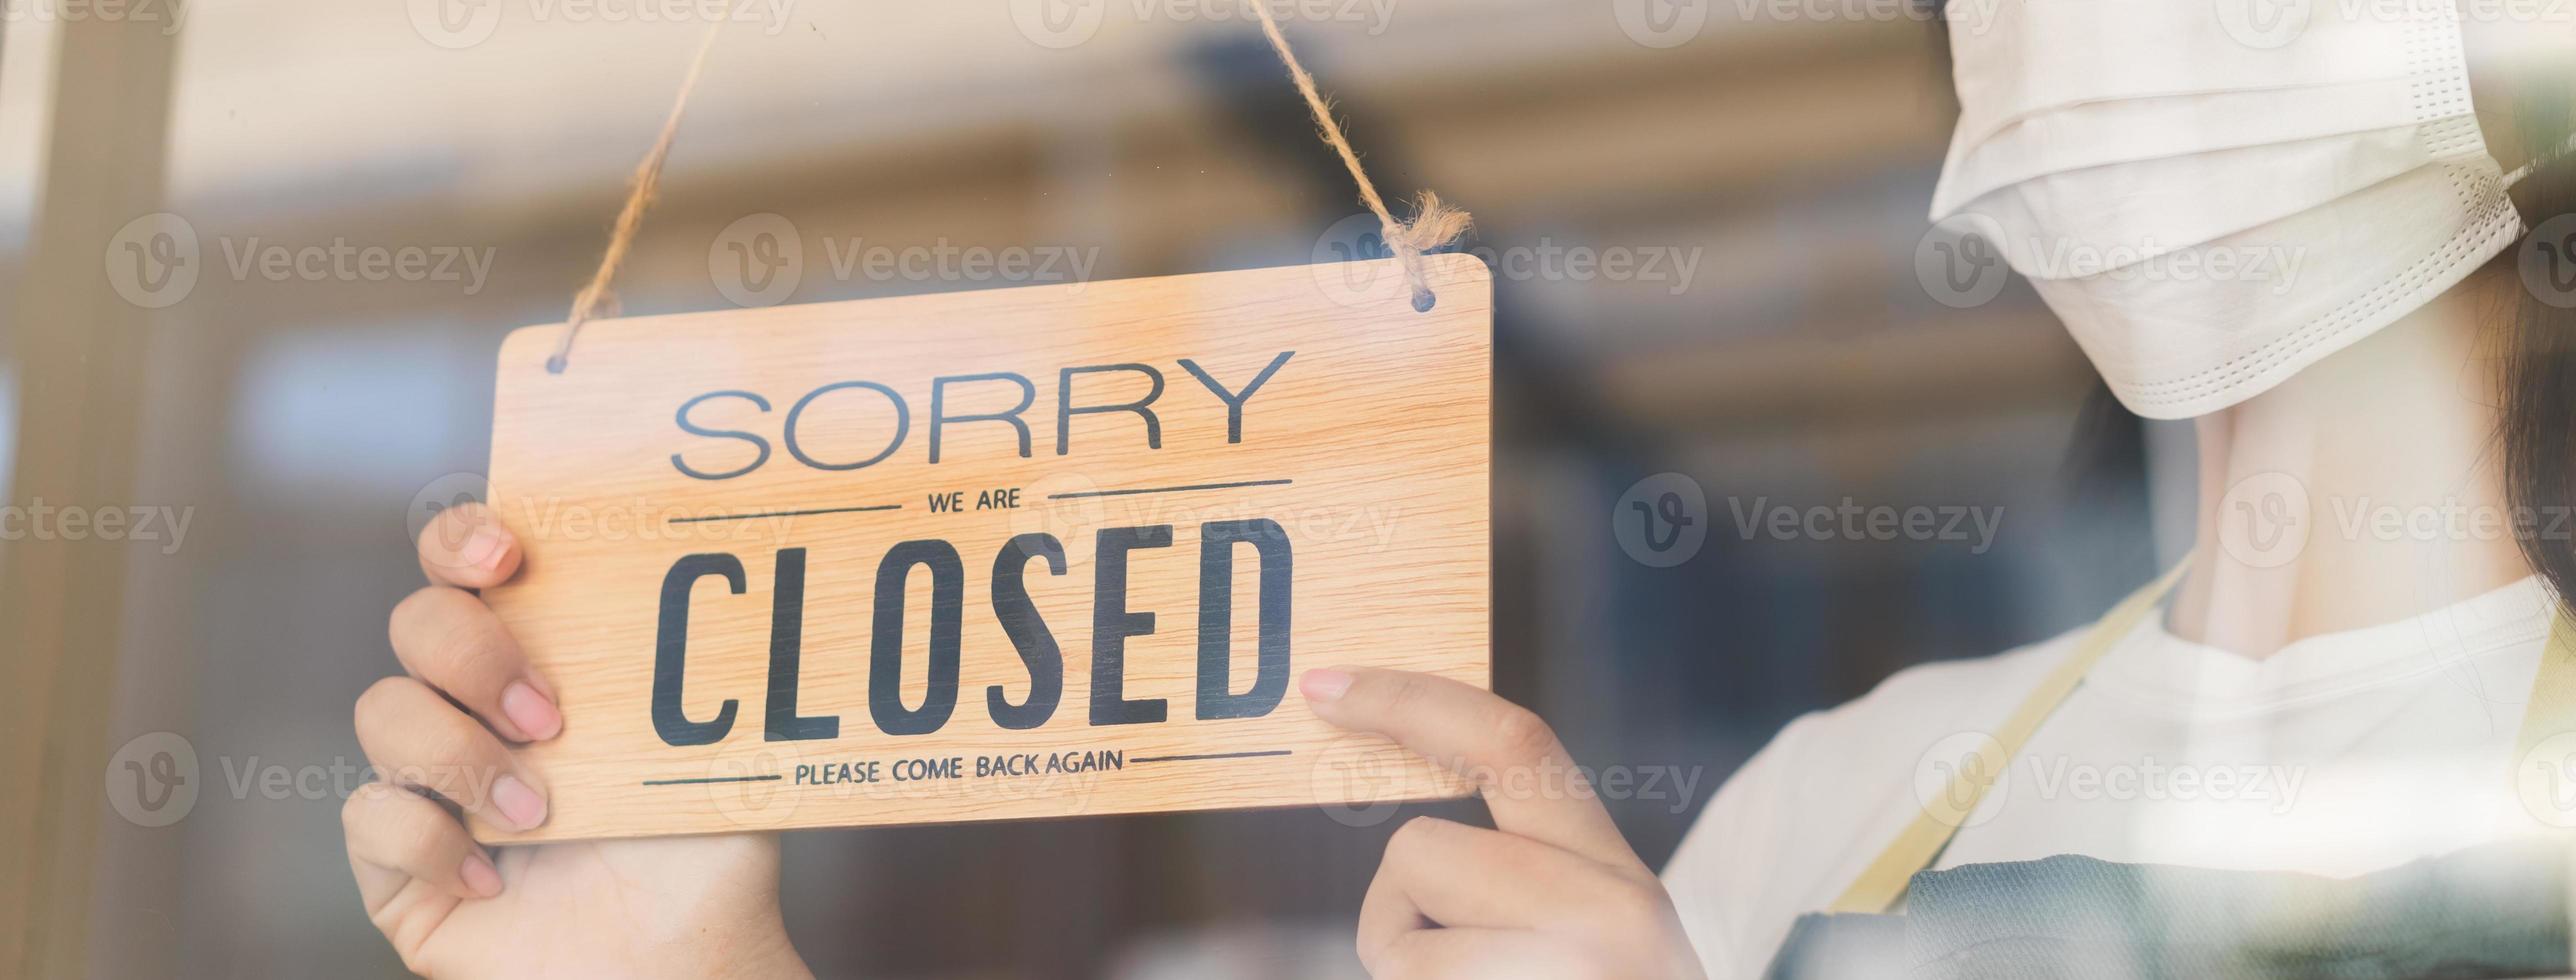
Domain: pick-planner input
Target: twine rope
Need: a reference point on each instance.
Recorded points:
(595, 299)
(1434, 224)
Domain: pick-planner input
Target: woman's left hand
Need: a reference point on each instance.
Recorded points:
(1552, 891)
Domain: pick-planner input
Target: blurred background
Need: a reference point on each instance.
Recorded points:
(1706, 219)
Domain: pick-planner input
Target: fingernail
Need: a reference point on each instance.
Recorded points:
(530, 710)
(1324, 685)
(518, 804)
(480, 878)
(484, 548)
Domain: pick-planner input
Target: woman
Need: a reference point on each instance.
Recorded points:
(2361, 694)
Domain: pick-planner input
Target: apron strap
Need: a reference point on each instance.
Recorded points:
(1883, 882)
(2545, 750)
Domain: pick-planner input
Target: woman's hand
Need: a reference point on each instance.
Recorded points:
(693, 906)
(1553, 891)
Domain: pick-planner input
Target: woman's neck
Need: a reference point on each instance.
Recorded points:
(2363, 490)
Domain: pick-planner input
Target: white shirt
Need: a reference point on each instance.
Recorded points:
(2338, 755)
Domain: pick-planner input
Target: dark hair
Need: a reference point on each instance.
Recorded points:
(2538, 432)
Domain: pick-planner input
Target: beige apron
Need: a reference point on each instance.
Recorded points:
(2538, 770)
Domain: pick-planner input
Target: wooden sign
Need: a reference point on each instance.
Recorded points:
(1043, 551)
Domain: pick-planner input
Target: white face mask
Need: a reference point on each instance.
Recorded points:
(2209, 216)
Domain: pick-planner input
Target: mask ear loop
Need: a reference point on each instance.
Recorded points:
(2543, 160)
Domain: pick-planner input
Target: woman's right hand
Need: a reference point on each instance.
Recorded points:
(442, 734)
(1551, 890)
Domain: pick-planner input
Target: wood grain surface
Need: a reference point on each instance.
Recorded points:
(1356, 474)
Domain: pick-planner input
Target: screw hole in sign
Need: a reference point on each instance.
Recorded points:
(1433, 226)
